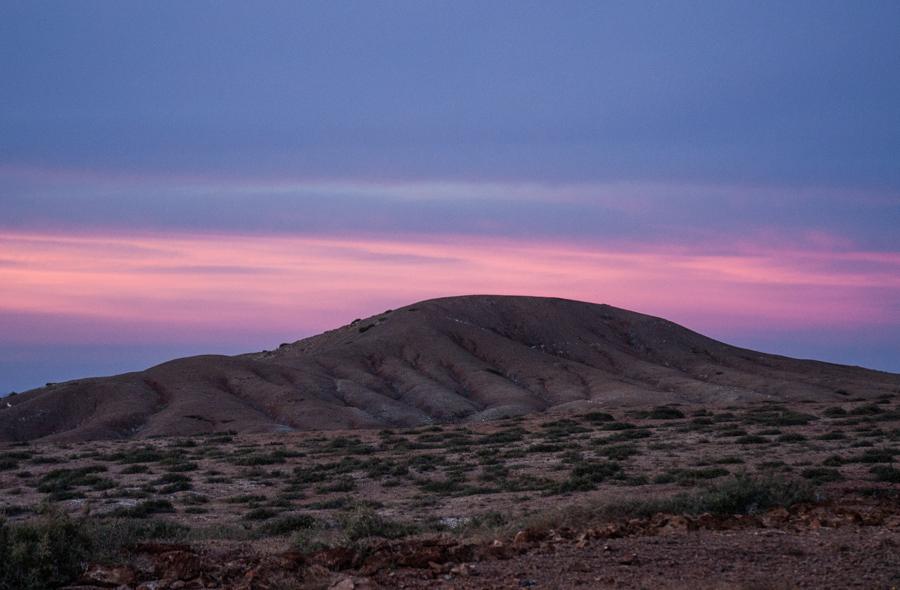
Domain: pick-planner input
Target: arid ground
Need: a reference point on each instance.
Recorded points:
(758, 495)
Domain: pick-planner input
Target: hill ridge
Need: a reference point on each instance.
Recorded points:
(451, 359)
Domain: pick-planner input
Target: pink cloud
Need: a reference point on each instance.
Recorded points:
(219, 284)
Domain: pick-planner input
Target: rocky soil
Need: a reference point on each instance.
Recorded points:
(765, 495)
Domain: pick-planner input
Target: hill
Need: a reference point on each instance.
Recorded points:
(457, 359)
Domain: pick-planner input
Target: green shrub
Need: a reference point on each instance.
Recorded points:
(109, 536)
(598, 417)
(624, 435)
(510, 435)
(834, 435)
(245, 499)
(273, 458)
(690, 476)
(143, 509)
(288, 524)
(171, 478)
(618, 452)
(822, 474)
(741, 494)
(659, 413)
(885, 473)
(182, 467)
(345, 484)
(59, 482)
(618, 426)
(874, 456)
(730, 432)
(751, 439)
(363, 522)
(260, 514)
(140, 455)
(450, 485)
(330, 504)
(586, 476)
(866, 410)
(791, 437)
(45, 553)
(729, 460)
(777, 416)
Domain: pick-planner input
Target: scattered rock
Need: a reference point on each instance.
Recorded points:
(109, 576)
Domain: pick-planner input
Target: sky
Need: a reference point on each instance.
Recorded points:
(219, 177)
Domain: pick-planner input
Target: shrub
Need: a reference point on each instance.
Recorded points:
(866, 410)
(363, 522)
(141, 455)
(822, 474)
(618, 426)
(510, 435)
(834, 435)
(885, 473)
(288, 524)
(690, 476)
(173, 482)
(169, 478)
(345, 484)
(45, 553)
(586, 476)
(744, 494)
(273, 458)
(624, 435)
(729, 460)
(66, 478)
(619, 452)
(144, 509)
(182, 467)
(779, 417)
(598, 417)
(245, 499)
(874, 456)
(659, 413)
(260, 514)
(108, 536)
(791, 437)
(751, 439)
(442, 486)
(741, 494)
(59, 482)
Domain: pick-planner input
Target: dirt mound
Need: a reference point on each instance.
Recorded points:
(458, 359)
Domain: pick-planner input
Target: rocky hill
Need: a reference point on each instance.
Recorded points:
(457, 359)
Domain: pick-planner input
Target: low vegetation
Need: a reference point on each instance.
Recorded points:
(69, 505)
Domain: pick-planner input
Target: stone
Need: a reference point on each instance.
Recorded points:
(109, 576)
(344, 584)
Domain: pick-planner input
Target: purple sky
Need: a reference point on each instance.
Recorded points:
(178, 178)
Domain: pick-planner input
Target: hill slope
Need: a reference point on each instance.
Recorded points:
(453, 359)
